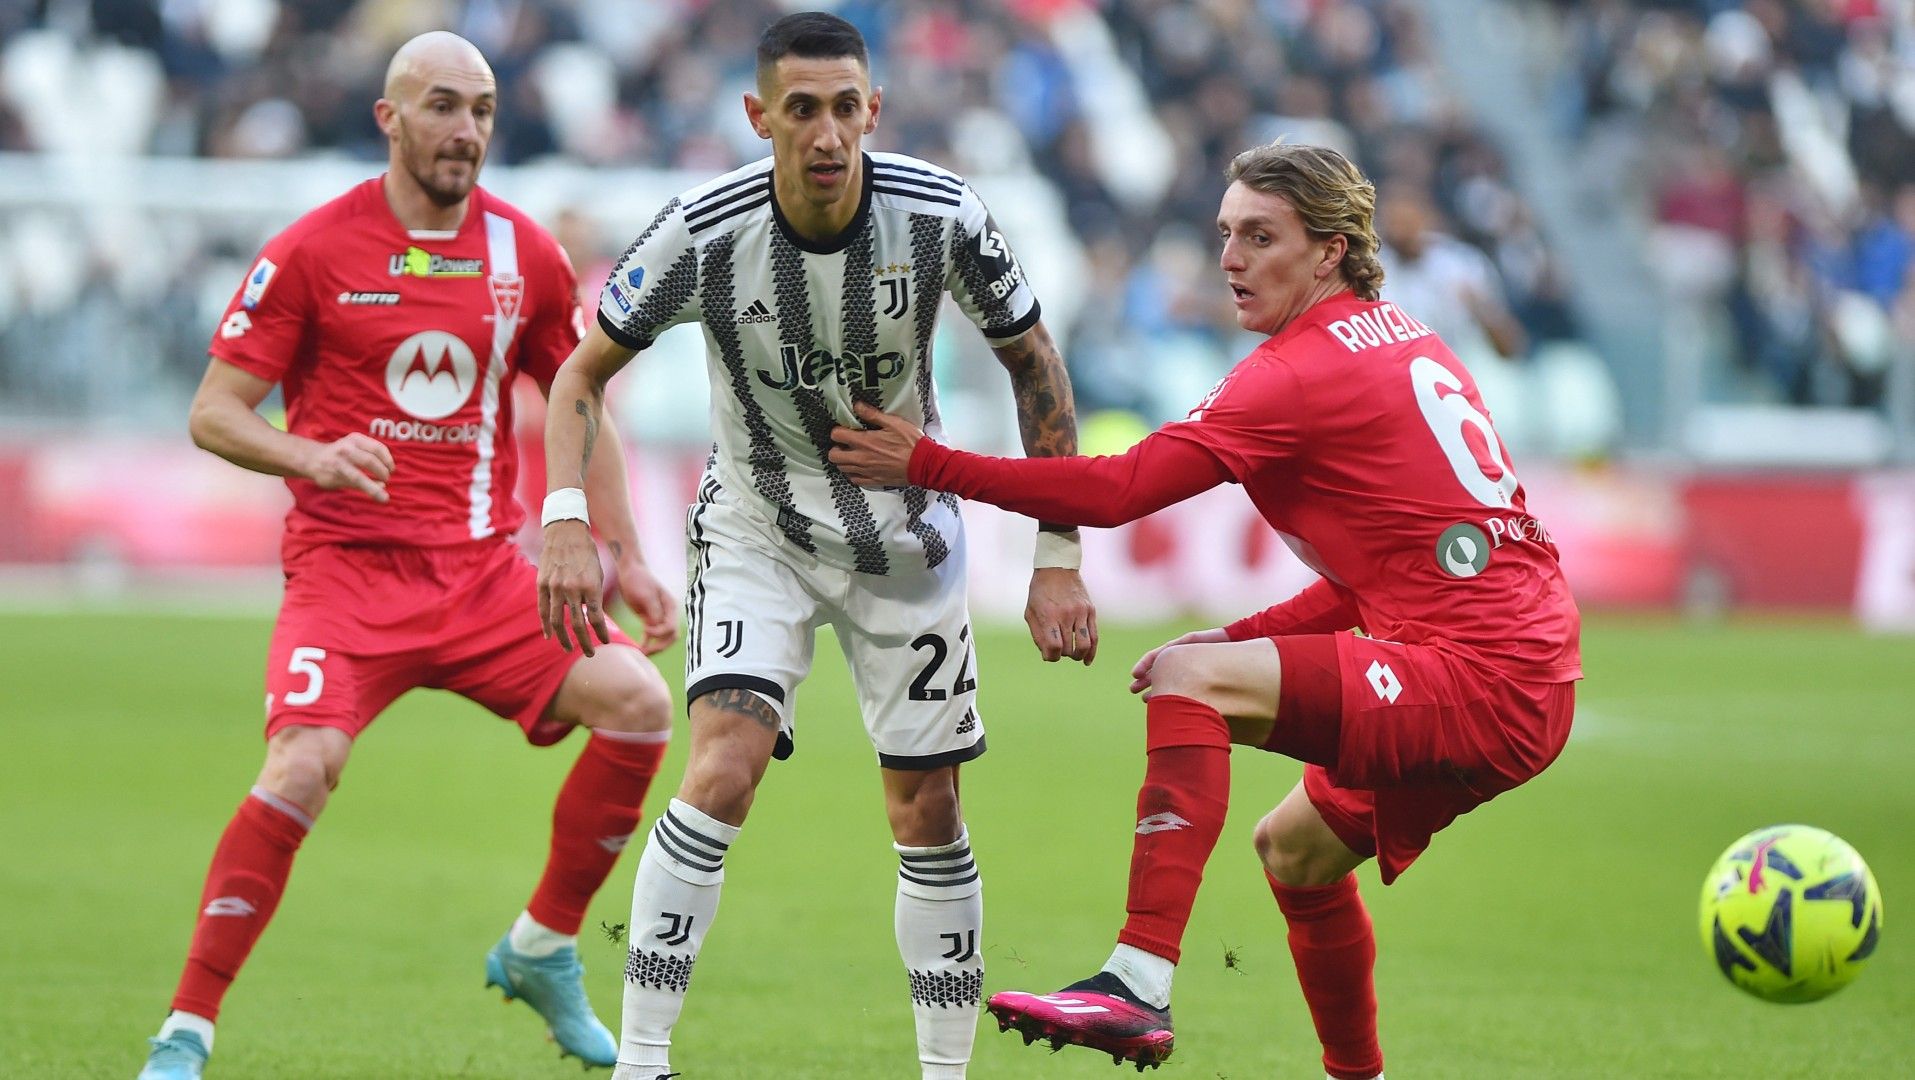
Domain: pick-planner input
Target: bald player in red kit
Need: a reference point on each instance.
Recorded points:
(1362, 440)
(395, 318)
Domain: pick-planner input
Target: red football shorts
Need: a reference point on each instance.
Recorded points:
(361, 625)
(1424, 737)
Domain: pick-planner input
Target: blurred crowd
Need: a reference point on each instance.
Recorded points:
(1775, 148)
(1129, 108)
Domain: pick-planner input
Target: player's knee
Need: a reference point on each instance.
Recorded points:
(303, 766)
(1183, 671)
(626, 694)
(1289, 857)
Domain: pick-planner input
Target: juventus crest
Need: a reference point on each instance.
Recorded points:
(895, 285)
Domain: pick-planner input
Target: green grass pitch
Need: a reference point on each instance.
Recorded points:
(1549, 934)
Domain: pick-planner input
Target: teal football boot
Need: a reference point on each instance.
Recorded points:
(180, 1056)
(555, 988)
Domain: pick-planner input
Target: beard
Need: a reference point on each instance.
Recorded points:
(424, 167)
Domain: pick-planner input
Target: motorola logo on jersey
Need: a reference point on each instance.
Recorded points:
(431, 374)
(1463, 550)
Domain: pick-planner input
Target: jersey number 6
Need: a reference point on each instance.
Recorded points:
(1482, 468)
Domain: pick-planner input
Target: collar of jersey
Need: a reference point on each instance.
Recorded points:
(830, 245)
(1316, 315)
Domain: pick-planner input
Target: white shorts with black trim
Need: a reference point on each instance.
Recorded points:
(753, 604)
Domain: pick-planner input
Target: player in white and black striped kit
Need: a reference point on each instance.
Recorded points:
(817, 275)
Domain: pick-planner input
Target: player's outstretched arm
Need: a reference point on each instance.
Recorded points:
(1100, 491)
(225, 420)
(570, 581)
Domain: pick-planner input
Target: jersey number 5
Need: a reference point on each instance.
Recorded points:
(1480, 464)
(305, 662)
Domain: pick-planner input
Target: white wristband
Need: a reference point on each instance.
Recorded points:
(1058, 550)
(565, 504)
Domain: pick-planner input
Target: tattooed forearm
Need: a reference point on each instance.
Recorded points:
(591, 432)
(738, 700)
(618, 549)
(1046, 413)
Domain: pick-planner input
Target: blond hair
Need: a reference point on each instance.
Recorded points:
(1329, 193)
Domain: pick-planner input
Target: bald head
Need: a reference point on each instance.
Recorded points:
(433, 56)
(437, 115)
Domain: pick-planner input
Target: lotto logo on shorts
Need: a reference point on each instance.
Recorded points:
(1383, 681)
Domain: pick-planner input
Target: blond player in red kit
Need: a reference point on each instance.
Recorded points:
(395, 319)
(1362, 440)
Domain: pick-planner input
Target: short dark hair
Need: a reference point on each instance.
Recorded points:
(810, 35)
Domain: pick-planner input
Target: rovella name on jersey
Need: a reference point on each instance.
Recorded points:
(1385, 324)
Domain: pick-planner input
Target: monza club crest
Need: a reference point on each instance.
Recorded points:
(508, 291)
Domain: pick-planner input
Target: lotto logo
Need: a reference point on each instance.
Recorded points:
(1164, 822)
(1383, 681)
(235, 906)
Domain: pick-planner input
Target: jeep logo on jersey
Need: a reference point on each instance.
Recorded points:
(431, 374)
(819, 365)
(418, 262)
(1463, 550)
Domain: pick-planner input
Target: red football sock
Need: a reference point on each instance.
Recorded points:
(596, 813)
(1180, 812)
(243, 886)
(1335, 953)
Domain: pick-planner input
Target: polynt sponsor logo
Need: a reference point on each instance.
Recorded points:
(1463, 550)
(431, 374)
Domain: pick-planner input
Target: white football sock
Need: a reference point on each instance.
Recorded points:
(530, 937)
(674, 900)
(940, 924)
(185, 1021)
(1146, 973)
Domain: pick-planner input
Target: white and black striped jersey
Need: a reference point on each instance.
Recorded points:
(797, 329)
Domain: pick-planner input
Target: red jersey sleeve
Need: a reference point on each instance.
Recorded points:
(1322, 608)
(1099, 491)
(269, 315)
(557, 323)
(1251, 419)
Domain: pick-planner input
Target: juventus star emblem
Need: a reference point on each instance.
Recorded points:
(897, 296)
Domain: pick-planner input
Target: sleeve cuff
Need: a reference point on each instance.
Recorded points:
(925, 459)
(997, 336)
(619, 336)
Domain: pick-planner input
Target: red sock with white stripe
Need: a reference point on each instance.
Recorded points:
(1180, 814)
(1335, 952)
(243, 886)
(596, 812)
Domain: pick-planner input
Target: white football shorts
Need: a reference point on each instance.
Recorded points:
(753, 604)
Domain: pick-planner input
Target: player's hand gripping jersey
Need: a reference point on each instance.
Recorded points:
(414, 340)
(796, 330)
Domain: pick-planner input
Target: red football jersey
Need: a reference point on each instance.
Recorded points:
(1362, 440)
(413, 339)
